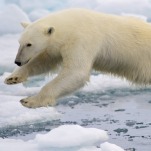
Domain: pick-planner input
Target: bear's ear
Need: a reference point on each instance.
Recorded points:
(25, 24)
(50, 30)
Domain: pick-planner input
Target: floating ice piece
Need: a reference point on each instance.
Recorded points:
(110, 147)
(70, 136)
(93, 148)
(63, 138)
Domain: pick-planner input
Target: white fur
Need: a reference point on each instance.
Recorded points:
(83, 40)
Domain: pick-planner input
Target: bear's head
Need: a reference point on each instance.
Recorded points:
(33, 41)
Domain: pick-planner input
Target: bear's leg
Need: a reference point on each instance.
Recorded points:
(65, 83)
(76, 68)
(38, 65)
(74, 74)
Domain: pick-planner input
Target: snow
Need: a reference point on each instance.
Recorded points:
(63, 138)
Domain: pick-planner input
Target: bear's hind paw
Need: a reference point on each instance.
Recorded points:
(34, 102)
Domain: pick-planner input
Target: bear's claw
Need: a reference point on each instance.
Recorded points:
(13, 80)
(24, 102)
(29, 102)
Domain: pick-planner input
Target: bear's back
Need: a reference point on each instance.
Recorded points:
(82, 19)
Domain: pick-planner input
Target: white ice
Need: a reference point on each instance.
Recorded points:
(104, 82)
(70, 136)
(16, 114)
(13, 113)
(63, 138)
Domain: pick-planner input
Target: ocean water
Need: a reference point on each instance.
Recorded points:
(106, 102)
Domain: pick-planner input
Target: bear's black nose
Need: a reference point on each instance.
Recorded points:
(18, 63)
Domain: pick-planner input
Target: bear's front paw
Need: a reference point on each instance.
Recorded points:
(14, 80)
(34, 102)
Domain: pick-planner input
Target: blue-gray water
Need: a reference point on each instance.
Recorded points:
(124, 113)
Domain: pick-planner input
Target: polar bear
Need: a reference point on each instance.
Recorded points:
(79, 41)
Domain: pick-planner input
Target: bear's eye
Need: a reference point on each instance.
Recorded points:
(28, 45)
